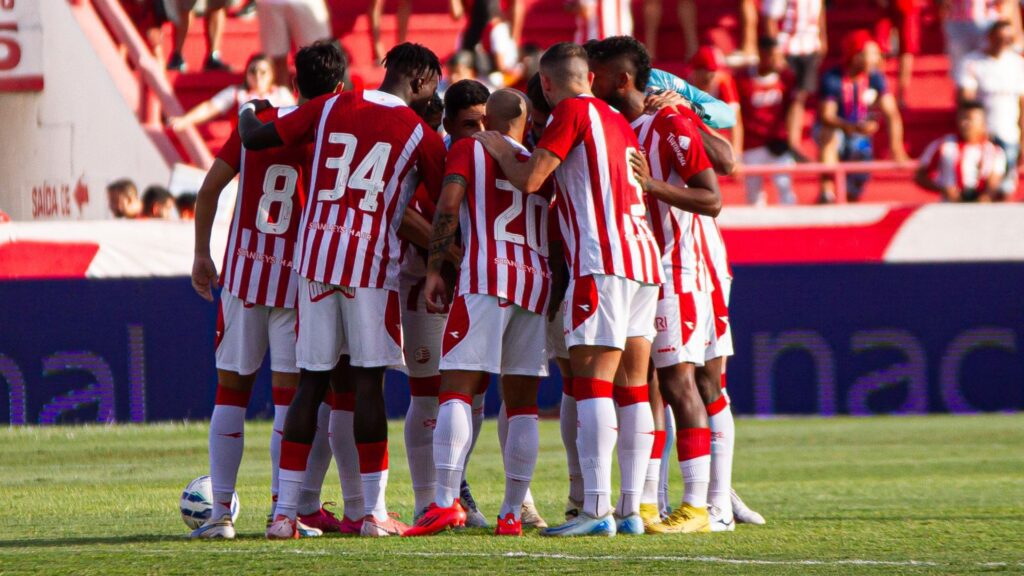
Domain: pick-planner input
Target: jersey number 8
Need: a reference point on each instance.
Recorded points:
(278, 186)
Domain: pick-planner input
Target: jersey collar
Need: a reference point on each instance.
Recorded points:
(383, 98)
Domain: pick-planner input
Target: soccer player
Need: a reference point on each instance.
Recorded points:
(258, 301)
(463, 116)
(613, 260)
(364, 173)
(496, 324)
(680, 183)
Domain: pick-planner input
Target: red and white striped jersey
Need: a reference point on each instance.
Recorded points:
(602, 19)
(799, 24)
(974, 10)
(605, 217)
(261, 244)
(963, 165)
(718, 259)
(675, 153)
(371, 152)
(505, 230)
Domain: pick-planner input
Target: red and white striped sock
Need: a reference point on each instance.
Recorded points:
(723, 437)
(319, 461)
(419, 438)
(227, 442)
(282, 398)
(636, 437)
(568, 421)
(294, 456)
(694, 449)
(452, 438)
(520, 455)
(373, 472)
(652, 480)
(343, 446)
(595, 442)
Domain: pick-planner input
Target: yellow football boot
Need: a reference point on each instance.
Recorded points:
(685, 519)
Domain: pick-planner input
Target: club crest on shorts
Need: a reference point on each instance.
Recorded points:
(421, 355)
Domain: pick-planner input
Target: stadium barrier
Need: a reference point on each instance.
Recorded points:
(918, 311)
(837, 172)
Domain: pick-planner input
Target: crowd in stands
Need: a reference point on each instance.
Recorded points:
(156, 202)
(800, 95)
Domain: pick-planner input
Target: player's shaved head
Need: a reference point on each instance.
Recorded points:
(508, 110)
(565, 71)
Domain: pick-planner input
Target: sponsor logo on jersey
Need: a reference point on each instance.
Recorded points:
(318, 291)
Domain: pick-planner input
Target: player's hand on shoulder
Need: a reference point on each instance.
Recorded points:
(494, 142)
(204, 276)
(664, 99)
(436, 293)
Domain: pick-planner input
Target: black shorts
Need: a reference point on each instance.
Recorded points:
(805, 67)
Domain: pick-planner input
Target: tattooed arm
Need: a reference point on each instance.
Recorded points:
(446, 226)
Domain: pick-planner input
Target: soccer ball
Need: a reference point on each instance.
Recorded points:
(197, 502)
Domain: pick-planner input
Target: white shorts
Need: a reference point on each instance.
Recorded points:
(298, 22)
(364, 323)
(606, 310)
(244, 331)
(422, 331)
(721, 332)
(490, 334)
(556, 335)
(684, 325)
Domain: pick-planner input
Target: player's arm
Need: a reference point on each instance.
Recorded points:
(720, 152)
(204, 272)
(700, 196)
(442, 239)
(255, 134)
(711, 110)
(829, 116)
(527, 176)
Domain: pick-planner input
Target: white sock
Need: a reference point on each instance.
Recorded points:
(319, 462)
(664, 502)
(419, 448)
(343, 445)
(294, 457)
(723, 437)
(652, 480)
(227, 442)
(478, 425)
(636, 437)
(596, 442)
(276, 433)
(452, 438)
(696, 473)
(568, 422)
(520, 457)
(373, 474)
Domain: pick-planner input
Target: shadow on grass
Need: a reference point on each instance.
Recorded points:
(100, 540)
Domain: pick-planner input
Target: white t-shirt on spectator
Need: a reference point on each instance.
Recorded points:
(231, 98)
(799, 24)
(999, 85)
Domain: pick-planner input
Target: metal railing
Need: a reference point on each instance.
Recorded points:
(156, 94)
(837, 171)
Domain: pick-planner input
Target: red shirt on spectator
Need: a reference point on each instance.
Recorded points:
(764, 102)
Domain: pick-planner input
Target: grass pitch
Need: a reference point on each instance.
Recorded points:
(866, 496)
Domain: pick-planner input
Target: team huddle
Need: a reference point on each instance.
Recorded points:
(573, 222)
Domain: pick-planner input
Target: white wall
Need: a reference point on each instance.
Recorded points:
(78, 129)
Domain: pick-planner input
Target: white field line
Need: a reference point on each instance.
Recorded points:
(365, 555)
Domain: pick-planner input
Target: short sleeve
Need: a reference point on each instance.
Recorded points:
(460, 159)
(231, 153)
(877, 81)
(831, 87)
(930, 156)
(685, 147)
(226, 99)
(565, 128)
(299, 126)
(430, 160)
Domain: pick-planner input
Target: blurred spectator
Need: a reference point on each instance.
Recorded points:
(529, 64)
(499, 52)
(600, 19)
(686, 11)
(966, 166)
(123, 199)
(995, 77)
(158, 202)
(287, 23)
(965, 24)
(259, 84)
(766, 98)
(799, 27)
(850, 95)
(149, 17)
(215, 16)
(460, 66)
(186, 205)
(905, 16)
(748, 27)
(710, 74)
(433, 113)
(376, 13)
